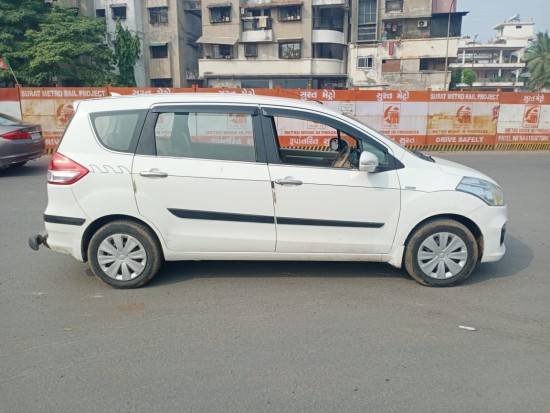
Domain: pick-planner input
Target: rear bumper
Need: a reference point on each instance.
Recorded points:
(38, 239)
(13, 152)
(62, 238)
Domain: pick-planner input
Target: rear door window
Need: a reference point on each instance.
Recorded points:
(205, 135)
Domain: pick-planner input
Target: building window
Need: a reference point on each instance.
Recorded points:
(100, 13)
(366, 20)
(162, 83)
(158, 15)
(220, 14)
(290, 50)
(290, 13)
(118, 12)
(394, 5)
(255, 83)
(328, 18)
(250, 50)
(328, 51)
(159, 52)
(366, 62)
(432, 64)
(367, 11)
(218, 51)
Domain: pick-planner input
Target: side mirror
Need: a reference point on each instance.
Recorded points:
(368, 162)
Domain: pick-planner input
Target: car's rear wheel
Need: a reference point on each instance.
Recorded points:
(441, 253)
(124, 254)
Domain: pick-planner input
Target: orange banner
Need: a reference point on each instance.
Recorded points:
(412, 118)
(524, 118)
(462, 118)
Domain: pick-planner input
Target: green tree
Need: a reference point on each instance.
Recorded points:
(537, 58)
(15, 19)
(456, 78)
(69, 47)
(469, 77)
(127, 52)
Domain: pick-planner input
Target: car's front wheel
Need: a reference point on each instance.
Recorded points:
(441, 253)
(124, 254)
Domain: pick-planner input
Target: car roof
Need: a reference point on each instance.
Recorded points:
(145, 101)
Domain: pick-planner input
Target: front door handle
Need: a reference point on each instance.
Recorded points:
(288, 182)
(153, 173)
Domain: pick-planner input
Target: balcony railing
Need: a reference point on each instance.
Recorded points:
(192, 74)
(256, 23)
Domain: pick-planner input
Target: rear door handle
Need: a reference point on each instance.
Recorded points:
(288, 182)
(153, 173)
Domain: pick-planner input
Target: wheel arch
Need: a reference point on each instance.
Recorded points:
(100, 222)
(468, 223)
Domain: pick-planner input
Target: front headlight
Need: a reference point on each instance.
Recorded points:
(490, 193)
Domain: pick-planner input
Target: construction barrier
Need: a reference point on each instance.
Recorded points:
(423, 120)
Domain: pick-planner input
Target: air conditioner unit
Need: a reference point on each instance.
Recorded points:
(422, 23)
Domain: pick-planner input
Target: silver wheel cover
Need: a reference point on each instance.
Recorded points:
(121, 257)
(442, 255)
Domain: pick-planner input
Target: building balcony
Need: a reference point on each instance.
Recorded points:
(256, 29)
(497, 82)
(342, 3)
(276, 67)
(191, 74)
(327, 36)
(469, 65)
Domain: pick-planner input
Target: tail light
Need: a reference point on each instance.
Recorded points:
(65, 171)
(17, 134)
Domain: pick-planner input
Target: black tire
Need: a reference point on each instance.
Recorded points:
(438, 260)
(124, 238)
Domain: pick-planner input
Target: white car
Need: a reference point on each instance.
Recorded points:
(139, 180)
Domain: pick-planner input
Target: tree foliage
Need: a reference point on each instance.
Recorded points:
(127, 52)
(15, 19)
(456, 78)
(537, 58)
(469, 77)
(44, 43)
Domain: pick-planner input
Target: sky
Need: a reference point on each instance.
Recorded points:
(485, 14)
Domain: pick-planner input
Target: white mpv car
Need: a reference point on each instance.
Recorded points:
(139, 180)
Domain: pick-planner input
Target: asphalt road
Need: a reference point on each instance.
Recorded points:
(278, 337)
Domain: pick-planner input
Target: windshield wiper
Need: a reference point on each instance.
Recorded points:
(424, 156)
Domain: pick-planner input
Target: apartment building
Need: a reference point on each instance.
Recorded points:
(168, 30)
(497, 63)
(270, 43)
(368, 44)
(403, 44)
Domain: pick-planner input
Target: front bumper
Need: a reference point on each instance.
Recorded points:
(492, 223)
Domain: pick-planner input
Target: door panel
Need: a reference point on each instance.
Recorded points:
(205, 205)
(323, 203)
(335, 210)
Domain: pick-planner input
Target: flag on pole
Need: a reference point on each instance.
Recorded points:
(4, 63)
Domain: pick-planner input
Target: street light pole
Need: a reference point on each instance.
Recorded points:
(447, 50)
